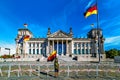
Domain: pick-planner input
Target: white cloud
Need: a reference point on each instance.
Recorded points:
(89, 4)
(87, 27)
(115, 39)
(110, 23)
(4, 45)
(112, 42)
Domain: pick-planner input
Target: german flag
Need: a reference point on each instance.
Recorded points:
(26, 37)
(91, 10)
(52, 56)
(21, 39)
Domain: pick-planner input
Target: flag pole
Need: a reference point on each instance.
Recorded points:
(98, 25)
(97, 14)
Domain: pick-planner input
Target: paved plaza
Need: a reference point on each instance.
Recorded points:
(72, 70)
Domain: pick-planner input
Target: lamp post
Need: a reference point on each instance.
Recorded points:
(8, 49)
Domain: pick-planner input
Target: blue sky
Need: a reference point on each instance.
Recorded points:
(58, 14)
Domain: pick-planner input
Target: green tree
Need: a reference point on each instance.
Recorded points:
(119, 52)
(111, 53)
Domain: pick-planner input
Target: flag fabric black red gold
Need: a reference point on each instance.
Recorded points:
(21, 39)
(24, 38)
(52, 56)
(90, 11)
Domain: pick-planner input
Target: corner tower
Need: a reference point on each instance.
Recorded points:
(97, 42)
(20, 46)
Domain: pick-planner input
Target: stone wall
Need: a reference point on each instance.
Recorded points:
(89, 58)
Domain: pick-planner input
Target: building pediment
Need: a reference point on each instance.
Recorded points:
(59, 34)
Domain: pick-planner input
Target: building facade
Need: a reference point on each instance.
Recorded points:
(64, 43)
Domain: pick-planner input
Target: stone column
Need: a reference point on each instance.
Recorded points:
(84, 48)
(53, 45)
(57, 46)
(24, 45)
(66, 47)
(62, 47)
(89, 50)
(76, 48)
(72, 46)
(102, 47)
(17, 48)
(35, 47)
(48, 47)
(80, 48)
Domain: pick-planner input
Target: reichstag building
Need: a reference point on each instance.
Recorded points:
(64, 43)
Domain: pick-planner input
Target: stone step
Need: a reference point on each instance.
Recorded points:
(65, 58)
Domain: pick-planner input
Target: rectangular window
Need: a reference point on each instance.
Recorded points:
(29, 51)
(82, 44)
(21, 51)
(29, 44)
(91, 44)
(33, 51)
(37, 51)
(86, 44)
(37, 44)
(75, 44)
(75, 52)
(21, 44)
(41, 51)
(33, 44)
(41, 45)
(79, 52)
(86, 51)
(90, 51)
(82, 51)
(79, 45)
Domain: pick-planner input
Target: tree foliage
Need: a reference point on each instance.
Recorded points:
(6, 56)
(112, 52)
